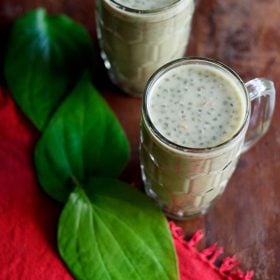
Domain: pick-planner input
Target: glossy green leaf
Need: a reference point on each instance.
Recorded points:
(112, 231)
(45, 56)
(82, 139)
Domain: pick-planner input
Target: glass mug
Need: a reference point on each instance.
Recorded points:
(185, 179)
(138, 37)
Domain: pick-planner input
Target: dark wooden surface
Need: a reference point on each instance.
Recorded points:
(245, 34)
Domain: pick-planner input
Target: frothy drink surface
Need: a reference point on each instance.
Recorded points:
(196, 106)
(145, 4)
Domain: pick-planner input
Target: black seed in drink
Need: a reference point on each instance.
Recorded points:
(214, 118)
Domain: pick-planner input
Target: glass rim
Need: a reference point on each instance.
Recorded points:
(139, 11)
(170, 65)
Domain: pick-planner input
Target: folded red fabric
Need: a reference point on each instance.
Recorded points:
(29, 217)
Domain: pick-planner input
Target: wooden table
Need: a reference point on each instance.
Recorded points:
(245, 34)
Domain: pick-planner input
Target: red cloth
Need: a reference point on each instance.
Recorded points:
(195, 265)
(29, 217)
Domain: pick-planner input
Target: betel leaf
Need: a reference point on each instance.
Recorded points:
(82, 139)
(45, 55)
(110, 230)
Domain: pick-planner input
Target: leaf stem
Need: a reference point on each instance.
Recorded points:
(76, 182)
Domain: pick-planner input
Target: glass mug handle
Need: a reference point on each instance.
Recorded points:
(262, 95)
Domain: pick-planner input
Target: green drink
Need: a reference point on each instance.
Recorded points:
(139, 36)
(194, 122)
